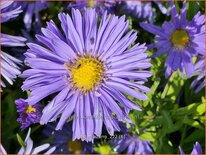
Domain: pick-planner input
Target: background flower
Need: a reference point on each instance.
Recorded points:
(180, 39)
(63, 141)
(196, 149)
(9, 64)
(27, 114)
(28, 147)
(199, 82)
(132, 144)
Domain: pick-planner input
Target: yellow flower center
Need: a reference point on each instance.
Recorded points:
(91, 3)
(105, 149)
(180, 38)
(75, 146)
(30, 109)
(86, 73)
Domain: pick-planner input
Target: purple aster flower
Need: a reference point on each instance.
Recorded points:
(143, 10)
(90, 67)
(9, 67)
(100, 6)
(180, 39)
(32, 9)
(62, 139)
(28, 148)
(132, 145)
(196, 149)
(199, 82)
(9, 11)
(27, 114)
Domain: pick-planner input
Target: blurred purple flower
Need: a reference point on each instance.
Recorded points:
(143, 10)
(27, 114)
(131, 145)
(89, 67)
(199, 83)
(196, 149)
(9, 67)
(100, 6)
(9, 11)
(28, 148)
(62, 139)
(31, 10)
(180, 39)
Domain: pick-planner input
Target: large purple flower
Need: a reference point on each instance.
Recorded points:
(196, 149)
(90, 66)
(132, 145)
(27, 114)
(199, 83)
(28, 147)
(180, 39)
(62, 139)
(9, 64)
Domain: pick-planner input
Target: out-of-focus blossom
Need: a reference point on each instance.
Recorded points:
(131, 145)
(28, 147)
(31, 10)
(100, 6)
(143, 10)
(199, 83)
(196, 149)
(9, 64)
(9, 10)
(62, 139)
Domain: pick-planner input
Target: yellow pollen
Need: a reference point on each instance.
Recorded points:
(91, 3)
(105, 149)
(30, 109)
(180, 38)
(75, 146)
(86, 73)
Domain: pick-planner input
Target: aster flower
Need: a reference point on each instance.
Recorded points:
(9, 64)
(88, 68)
(9, 11)
(100, 6)
(28, 147)
(27, 114)
(199, 82)
(180, 39)
(62, 139)
(132, 145)
(32, 9)
(196, 149)
(143, 10)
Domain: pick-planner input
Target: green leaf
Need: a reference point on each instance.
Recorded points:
(21, 142)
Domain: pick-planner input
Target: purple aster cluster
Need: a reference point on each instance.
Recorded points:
(27, 114)
(180, 39)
